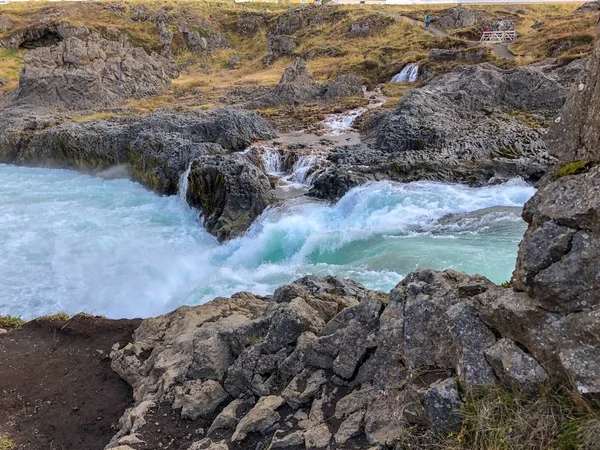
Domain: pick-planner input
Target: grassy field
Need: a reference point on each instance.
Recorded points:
(327, 43)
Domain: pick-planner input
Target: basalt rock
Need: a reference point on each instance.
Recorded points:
(471, 125)
(297, 87)
(155, 149)
(369, 25)
(231, 192)
(278, 46)
(91, 73)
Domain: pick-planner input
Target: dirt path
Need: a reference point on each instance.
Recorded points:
(502, 51)
(57, 390)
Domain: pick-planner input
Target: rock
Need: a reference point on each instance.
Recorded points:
(457, 17)
(369, 25)
(139, 13)
(199, 399)
(289, 440)
(582, 364)
(295, 19)
(350, 427)
(317, 437)
(278, 46)
(231, 192)
(116, 8)
(86, 74)
(442, 131)
(346, 85)
(228, 418)
(296, 86)
(515, 367)
(443, 404)
(208, 444)
(203, 40)
(234, 62)
(472, 55)
(589, 7)
(3, 82)
(165, 37)
(574, 135)
(260, 418)
(538, 24)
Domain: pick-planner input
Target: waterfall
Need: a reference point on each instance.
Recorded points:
(272, 161)
(408, 74)
(182, 186)
(302, 171)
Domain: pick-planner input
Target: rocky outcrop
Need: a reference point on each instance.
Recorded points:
(155, 150)
(471, 55)
(89, 73)
(574, 135)
(296, 19)
(369, 25)
(461, 17)
(589, 7)
(297, 87)
(470, 125)
(230, 191)
(45, 33)
(278, 46)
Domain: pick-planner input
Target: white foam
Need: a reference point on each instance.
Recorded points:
(70, 242)
(408, 74)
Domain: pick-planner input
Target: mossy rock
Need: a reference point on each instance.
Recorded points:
(575, 168)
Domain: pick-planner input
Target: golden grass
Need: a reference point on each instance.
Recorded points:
(11, 62)
(6, 443)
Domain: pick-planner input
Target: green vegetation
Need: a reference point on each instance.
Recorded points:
(61, 316)
(501, 419)
(10, 322)
(6, 443)
(506, 284)
(574, 168)
(256, 340)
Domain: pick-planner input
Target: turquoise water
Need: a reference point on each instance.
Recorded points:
(70, 242)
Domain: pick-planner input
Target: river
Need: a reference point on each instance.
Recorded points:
(74, 243)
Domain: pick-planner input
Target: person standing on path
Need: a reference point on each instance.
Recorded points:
(427, 20)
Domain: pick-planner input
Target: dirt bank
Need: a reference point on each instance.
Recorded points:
(57, 390)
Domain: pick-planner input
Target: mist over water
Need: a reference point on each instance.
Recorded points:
(70, 242)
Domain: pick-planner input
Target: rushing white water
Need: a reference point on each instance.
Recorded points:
(70, 242)
(343, 122)
(408, 74)
(272, 160)
(183, 184)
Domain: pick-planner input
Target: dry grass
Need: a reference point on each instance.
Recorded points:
(6, 443)
(11, 62)
(11, 322)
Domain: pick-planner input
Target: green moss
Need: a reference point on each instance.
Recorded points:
(6, 443)
(575, 167)
(256, 340)
(10, 322)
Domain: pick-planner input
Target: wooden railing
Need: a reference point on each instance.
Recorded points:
(497, 37)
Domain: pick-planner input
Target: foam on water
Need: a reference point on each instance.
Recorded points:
(69, 242)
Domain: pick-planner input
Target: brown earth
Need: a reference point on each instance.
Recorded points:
(57, 390)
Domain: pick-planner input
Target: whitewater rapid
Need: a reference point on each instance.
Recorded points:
(70, 242)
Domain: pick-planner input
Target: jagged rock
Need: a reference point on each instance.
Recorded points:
(473, 56)
(575, 134)
(260, 418)
(457, 17)
(165, 38)
(346, 85)
(115, 7)
(199, 399)
(203, 39)
(515, 367)
(228, 418)
(278, 46)
(317, 437)
(208, 444)
(538, 24)
(295, 19)
(460, 127)
(304, 387)
(589, 7)
(43, 34)
(234, 62)
(87, 74)
(350, 427)
(231, 192)
(248, 24)
(290, 440)
(443, 404)
(139, 13)
(369, 25)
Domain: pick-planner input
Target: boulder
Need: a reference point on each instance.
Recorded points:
(443, 404)
(260, 418)
(230, 191)
(79, 74)
(199, 398)
(514, 367)
(279, 45)
(369, 25)
(589, 7)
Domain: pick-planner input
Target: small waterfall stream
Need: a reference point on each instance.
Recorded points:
(408, 74)
(182, 186)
